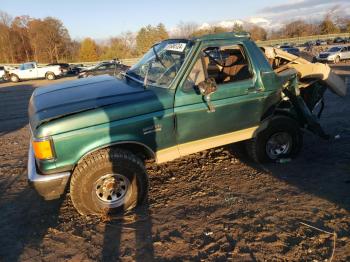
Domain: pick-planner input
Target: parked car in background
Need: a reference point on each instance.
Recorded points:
(75, 69)
(330, 41)
(103, 68)
(321, 42)
(334, 54)
(290, 49)
(309, 43)
(32, 71)
(64, 66)
(340, 40)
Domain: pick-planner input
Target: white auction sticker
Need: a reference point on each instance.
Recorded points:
(176, 47)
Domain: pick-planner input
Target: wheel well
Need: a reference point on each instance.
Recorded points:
(11, 75)
(284, 108)
(140, 150)
(49, 73)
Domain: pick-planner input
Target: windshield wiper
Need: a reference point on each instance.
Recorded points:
(157, 56)
(145, 80)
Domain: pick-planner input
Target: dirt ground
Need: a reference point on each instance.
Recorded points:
(212, 206)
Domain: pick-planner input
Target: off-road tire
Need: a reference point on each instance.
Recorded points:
(50, 76)
(98, 164)
(14, 78)
(256, 147)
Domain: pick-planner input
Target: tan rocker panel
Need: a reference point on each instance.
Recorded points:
(185, 149)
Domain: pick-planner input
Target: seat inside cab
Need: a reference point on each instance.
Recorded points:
(226, 64)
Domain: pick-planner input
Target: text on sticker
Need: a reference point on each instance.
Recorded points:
(176, 47)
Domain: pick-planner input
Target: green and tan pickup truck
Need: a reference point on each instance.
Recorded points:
(185, 95)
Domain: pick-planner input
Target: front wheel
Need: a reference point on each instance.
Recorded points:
(281, 138)
(107, 182)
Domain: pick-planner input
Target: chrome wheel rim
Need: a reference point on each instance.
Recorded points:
(50, 77)
(278, 144)
(111, 189)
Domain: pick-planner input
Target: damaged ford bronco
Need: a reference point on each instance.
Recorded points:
(185, 95)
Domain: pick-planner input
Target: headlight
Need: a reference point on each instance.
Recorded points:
(43, 148)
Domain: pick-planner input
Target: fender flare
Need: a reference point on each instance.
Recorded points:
(126, 145)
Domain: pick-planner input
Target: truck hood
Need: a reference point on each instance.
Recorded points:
(71, 97)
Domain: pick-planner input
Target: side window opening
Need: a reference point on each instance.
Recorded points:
(27, 66)
(223, 64)
(227, 64)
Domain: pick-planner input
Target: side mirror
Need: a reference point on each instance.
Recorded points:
(207, 88)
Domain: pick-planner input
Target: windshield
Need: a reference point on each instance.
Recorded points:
(160, 65)
(334, 49)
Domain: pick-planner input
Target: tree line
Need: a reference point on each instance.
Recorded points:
(47, 40)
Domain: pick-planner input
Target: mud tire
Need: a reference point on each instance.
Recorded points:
(98, 164)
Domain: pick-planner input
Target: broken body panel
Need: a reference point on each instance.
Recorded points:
(307, 92)
(307, 70)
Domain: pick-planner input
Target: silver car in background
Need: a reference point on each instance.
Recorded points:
(334, 54)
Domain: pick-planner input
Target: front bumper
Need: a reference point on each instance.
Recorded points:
(48, 186)
(327, 59)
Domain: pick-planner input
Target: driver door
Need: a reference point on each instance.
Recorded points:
(237, 103)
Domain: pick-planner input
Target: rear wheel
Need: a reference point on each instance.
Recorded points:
(281, 139)
(107, 182)
(14, 78)
(50, 76)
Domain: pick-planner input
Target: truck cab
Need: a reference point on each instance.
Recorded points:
(28, 71)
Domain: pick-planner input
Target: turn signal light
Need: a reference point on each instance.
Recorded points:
(43, 149)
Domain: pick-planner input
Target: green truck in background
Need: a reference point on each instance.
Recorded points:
(183, 96)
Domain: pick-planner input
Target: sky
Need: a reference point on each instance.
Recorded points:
(101, 19)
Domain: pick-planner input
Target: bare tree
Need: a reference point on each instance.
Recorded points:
(185, 30)
(20, 27)
(257, 32)
(5, 37)
(49, 39)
